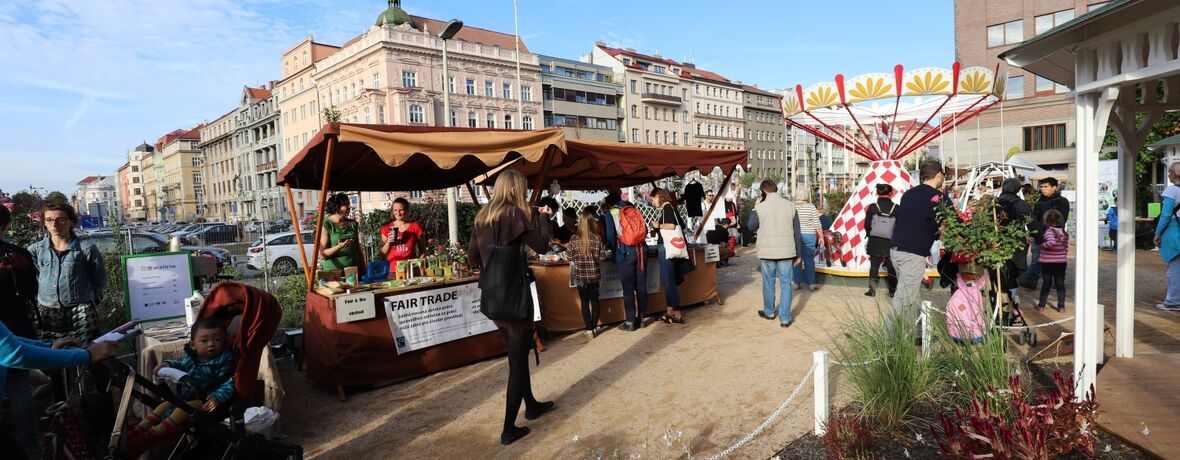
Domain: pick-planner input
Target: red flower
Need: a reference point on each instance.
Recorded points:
(936, 198)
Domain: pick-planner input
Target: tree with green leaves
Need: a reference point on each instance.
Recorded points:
(1147, 161)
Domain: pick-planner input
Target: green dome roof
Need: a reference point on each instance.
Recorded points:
(394, 15)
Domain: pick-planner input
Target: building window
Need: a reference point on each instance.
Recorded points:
(508, 91)
(1015, 89)
(686, 138)
(635, 135)
(451, 85)
(368, 116)
(416, 114)
(471, 120)
(376, 81)
(634, 111)
(634, 87)
(454, 121)
(526, 93)
(647, 136)
(470, 87)
(1045, 22)
(381, 114)
(660, 69)
(507, 121)
(491, 120)
(409, 79)
(646, 113)
(488, 89)
(526, 122)
(1007, 33)
(1044, 137)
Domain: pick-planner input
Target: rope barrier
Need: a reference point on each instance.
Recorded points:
(768, 420)
(852, 364)
(1034, 326)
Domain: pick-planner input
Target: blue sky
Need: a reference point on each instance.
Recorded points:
(84, 82)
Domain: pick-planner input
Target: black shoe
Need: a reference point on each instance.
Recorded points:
(517, 432)
(639, 322)
(540, 409)
(787, 324)
(626, 326)
(871, 293)
(763, 315)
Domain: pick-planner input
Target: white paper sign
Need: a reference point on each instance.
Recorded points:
(712, 253)
(355, 307)
(427, 318)
(157, 285)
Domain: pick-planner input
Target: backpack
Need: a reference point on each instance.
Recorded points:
(964, 311)
(18, 290)
(883, 222)
(633, 231)
(504, 282)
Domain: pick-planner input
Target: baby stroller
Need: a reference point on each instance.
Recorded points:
(205, 435)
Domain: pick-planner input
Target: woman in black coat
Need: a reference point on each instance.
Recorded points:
(1015, 211)
(877, 248)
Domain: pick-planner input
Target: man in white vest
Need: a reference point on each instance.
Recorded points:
(779, 239)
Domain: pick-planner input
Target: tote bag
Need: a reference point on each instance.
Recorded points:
(675, 246)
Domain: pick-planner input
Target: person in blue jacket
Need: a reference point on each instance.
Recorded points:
(21, 353)
(632, 273)
(1167, 237)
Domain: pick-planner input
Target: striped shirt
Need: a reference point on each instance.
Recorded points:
(808, 217)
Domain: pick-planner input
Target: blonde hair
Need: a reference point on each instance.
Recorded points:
(1174, 169)
(508, 193)
(587, 232)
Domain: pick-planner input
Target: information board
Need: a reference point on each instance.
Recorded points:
(157, 285)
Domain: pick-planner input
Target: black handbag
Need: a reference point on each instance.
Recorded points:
(504, 282)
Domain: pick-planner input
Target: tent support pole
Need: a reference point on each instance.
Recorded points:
(716, 197)
(540, 180)
(471, 190)
(319, 220)
(298, 234)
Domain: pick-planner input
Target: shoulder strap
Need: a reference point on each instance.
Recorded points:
(891, 208)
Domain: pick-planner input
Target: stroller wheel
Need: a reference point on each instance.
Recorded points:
(1031, 338)
(1020, 338)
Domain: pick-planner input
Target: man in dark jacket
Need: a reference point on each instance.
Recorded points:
(913, 235)
(1050, 198)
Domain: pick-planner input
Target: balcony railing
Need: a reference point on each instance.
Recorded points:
(661, 98)
(266, 166)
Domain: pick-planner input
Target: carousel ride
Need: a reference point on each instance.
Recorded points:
(885, 117)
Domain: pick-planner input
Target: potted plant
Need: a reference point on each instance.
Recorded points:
(976, 238)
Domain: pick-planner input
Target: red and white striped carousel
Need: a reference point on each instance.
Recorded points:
(885, 117)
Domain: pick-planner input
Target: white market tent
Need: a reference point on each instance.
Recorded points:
(1107, 56)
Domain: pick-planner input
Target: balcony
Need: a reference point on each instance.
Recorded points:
(266, 166)
(658, 98)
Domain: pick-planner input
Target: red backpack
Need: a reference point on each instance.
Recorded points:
(633, 231)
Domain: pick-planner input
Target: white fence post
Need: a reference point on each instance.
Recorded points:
(926, 334)
(822, 400)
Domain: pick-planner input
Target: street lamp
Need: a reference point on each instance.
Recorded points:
(449, 31)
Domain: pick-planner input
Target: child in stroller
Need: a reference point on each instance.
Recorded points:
(210, 364)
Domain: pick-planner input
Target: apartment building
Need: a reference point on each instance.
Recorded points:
(716, 109)
(122, 191)
(177, 165)
(765, 137)
(299, 106)
(656, 99)
(582, 98)
(1036, 119)
(220, 170)
(96, 196)
(257, 155)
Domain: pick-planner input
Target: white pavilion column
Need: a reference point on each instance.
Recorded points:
(1124, 340)
(1093, 109)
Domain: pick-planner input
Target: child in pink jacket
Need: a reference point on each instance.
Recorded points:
(1054, 251)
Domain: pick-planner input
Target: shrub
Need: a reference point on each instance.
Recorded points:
(846, 437)
(835, 202)
(291, 293)
(893, 379)
(112, 311)
(970, 368)
(1051, 424)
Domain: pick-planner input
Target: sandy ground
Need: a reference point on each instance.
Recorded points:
(666, 391)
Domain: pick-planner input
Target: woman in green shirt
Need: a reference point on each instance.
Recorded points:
(338, 242)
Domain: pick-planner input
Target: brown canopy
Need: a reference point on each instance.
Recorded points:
(405, 158)
(590, 165)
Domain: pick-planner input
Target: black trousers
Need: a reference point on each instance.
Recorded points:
(1053, 275)
(591, 307)
(519, 337)
(875, 270)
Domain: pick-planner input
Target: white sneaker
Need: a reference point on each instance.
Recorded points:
(588, 335)
(813, 287)
(796, 286)
(1167, 307)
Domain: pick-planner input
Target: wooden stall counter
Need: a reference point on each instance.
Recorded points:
(561, 310)
(438, 326)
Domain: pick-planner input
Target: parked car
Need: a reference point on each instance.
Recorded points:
(189, 230)
(280, 252)
(215, 234)
(141, 242)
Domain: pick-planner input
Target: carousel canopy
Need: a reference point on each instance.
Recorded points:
(886, 116)
(590, 165)
(405, 158)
